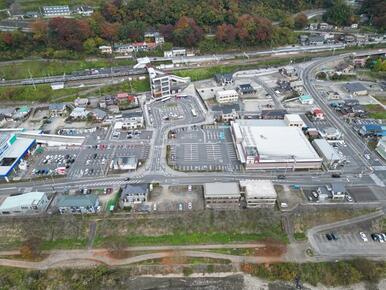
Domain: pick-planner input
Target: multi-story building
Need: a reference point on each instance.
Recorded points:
(164, 85)
(227, 96)
(78, 204)
(134, 194)
(222, 195)
(258, 193)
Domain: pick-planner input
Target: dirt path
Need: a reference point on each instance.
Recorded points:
(91, 257)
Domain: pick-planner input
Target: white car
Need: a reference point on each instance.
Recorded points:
(190, 205)
(189, 188)
(349, 198)
(363, 236)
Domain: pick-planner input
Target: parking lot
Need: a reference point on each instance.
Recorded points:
(203, 149)
(95, 160)
(132, 135)
(51, 159)
(177, 198)
(349, 243)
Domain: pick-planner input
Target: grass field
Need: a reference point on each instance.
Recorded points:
(340, 273)
(41, 68)
(193, 228)
(376, 111)
(42, 93)
(135, 86)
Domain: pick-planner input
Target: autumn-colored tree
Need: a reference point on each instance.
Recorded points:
(39, 30)
(226, 33)
(167, 31)
(252, 29)
(300, 20)
(109, 31)
(68, 33)
(31, 248)
(187, 32)
(110, 12)
(132, 30)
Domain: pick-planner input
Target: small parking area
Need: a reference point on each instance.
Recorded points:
(203, 149)
(177, 198)
(349, 243)
(95, 159)
(132, 135)
(52, 159)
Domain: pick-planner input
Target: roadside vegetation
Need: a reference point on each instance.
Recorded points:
(39, 93)
(42, 68)
(330, 274)
(194, 228)
(376, 111)
(327, 274)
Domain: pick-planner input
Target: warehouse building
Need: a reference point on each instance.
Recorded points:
(25, 203)
(220, 195)
(12, 151)
(259, 144)
(331, 158)
(258, 193)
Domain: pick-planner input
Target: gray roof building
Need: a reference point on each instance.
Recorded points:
(356, 88)
(86, 203)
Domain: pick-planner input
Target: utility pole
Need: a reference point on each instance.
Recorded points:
(33, 82)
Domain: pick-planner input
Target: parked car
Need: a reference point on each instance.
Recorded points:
(363, 236)
(281, 176)
(190, 205)
(328, 236)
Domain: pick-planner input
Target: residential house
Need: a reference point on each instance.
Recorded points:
(258, 193)
(224, 79)
(79, 113)
(84, 10)
(175, 52)
(228, 112)
(356, 89)
(317, 113)
(306, 100)
(78, 204)
(372, 130)
(338, 191)
(303, 39)
(245, 89)
(313, 26)
(226, 96)
(106, 49)
(98, 115)
(315, 39)
(126, 101)
(21, 113)
(24, 203)
(132, 194)
(154, 37)
(81, 102)
(222, 195)
(273, 114)
(57, 109)
(331, 133)
(349, 39)
(132, 120)
(324, 26)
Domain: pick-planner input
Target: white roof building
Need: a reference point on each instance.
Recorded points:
(222, 195)
(227, 96)
(259, 193)
(273, 145)
(31, 202)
